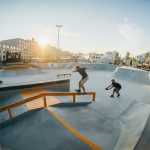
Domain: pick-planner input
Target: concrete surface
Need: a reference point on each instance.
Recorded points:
(132, 74)
(144, 142)
(37, 130)
(111, 123)
(29, 76)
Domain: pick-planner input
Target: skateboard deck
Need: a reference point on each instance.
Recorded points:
(82, 93)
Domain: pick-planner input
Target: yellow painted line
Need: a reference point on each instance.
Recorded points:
(16, 68)
(38, 103)
(74, 132)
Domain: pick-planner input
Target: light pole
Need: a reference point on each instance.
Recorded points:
(58, 26)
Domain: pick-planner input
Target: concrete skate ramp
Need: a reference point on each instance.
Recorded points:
(56, 85)
(109, 133)
(23, 72)
(132, 74)
(127, 114)
(144, 142)
(30, 76)
(104, 67)
(38, 130)
(132, 121)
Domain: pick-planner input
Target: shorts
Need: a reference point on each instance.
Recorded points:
(117, 89)
(83, 80)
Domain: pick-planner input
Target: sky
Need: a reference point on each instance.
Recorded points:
(88, 25)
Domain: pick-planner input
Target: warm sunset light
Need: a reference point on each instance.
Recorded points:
(43, 41)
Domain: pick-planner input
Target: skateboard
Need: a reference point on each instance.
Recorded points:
(79, 92)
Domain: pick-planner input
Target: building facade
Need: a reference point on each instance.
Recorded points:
(14, 50)
(95, 57)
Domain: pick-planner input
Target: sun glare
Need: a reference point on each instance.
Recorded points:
(43, 42)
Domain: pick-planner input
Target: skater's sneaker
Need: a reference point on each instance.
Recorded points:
(118, 95)
(79, 91)
(111, 95)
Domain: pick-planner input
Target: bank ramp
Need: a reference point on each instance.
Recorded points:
(132, 74)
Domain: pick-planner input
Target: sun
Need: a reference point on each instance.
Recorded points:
(43, 42)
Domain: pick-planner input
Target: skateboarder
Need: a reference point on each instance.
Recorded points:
(116, 86)
(82, 72)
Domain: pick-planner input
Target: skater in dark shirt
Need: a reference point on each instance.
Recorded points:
(116, 86)
(82, 72)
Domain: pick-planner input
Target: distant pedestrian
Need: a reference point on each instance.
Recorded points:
(85, 77)
(117, 88)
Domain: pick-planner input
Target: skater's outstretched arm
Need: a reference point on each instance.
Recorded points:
(109, 87)
(74, 70)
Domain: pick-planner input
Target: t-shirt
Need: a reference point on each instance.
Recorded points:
(82, 72)
(116, 85)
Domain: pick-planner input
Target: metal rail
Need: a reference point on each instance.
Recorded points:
(67, 74)
(73, 94)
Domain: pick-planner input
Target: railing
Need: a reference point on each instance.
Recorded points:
(73, 94)
(67, 74)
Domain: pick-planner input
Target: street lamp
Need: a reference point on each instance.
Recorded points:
(58, 26)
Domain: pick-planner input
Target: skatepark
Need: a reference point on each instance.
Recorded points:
(118, 123)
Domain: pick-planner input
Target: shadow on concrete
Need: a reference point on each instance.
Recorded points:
(79, 104)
